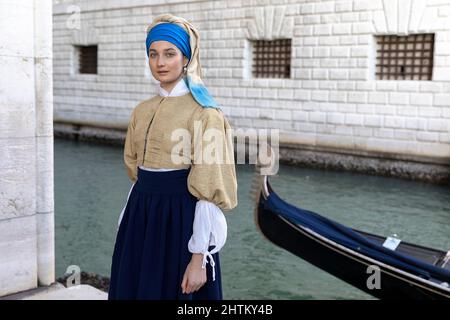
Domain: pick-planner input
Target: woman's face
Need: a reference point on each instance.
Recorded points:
(166, 62)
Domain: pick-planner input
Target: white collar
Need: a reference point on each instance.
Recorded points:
(180, 89)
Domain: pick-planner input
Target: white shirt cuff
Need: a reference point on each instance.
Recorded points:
(209, 229)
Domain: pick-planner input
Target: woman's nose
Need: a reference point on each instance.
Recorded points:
(160, 62)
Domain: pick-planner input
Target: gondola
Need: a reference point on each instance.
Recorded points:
(408, 271)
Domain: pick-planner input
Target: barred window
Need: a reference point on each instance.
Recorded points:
(87, 59)
(405, 57)
(271, 58)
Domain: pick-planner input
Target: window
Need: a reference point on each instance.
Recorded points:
(405, 57)
(87, 59)
(271, 59)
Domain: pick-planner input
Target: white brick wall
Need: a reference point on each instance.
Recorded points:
(332, 82)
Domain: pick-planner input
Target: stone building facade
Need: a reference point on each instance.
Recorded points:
(332, 110)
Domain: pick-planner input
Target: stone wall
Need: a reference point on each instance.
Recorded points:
(26, 146)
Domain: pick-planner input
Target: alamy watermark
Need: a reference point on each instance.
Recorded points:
(215, 147)
(75, 276)
(374, 280)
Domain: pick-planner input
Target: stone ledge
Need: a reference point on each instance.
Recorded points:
(415, 168)
(58, 292)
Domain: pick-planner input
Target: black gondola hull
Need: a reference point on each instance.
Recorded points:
(343, 264)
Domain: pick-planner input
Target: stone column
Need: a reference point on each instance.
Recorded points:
(26, 146)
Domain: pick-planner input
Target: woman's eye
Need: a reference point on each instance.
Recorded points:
(169, 55)
(152, 55)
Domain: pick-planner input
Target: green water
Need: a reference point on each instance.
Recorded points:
(91, 187)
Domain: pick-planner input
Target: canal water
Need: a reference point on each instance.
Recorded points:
(91, 187)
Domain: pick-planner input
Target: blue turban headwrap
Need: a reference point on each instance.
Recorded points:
(176, 34)
(172, 33)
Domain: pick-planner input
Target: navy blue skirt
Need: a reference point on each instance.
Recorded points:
(151, 250)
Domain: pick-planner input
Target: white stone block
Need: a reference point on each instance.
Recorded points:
(350, 17)
(44, 97)
(18, 195)
(335, 118)
(362, 28)
(324, 7)
(442, 100)
(436, 149)
(404, 135)
(441, 74)
(307, 8)
(285, 94)
(45, 178)
(300, 116)
(338, 96)
(363, 132)
(373, 120)
(16, 22)
(360, 51)
(358, 74)
(383, 133)
(45, 227)
(319, 95)
(416, 124)
(43, 29)
(408, 86)
(354, 119)
(394, 122)
(386, 85)
(343, 6)
(433, 112)
(377, 97)
(18, 268)
(302, 95)
(398, 98)
(357, 97)
(438, 125)
(344, 130)
(317, 117)
(425, 99)
(338, 74)
(407, 111)
(404, 6)
(322, 30)
(320, 74)
(342, 29)
(391, 12)
(379, 21)
(283, 115)
(427, 136)
(417, 11)
(361, 5)
(334, 141)
(340, 52)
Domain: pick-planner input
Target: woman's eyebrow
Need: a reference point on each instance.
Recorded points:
(154, 50)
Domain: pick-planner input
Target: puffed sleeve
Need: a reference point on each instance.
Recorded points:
(129, 152)
(213, 175)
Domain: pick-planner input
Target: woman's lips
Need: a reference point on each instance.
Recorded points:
(162, 72)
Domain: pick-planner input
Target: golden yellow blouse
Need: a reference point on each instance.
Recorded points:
(214, 182)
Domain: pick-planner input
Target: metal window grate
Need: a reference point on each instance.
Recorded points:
(405, 57)
(272, 58)
(88, 59)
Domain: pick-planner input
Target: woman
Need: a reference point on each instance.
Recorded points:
(172, 226)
